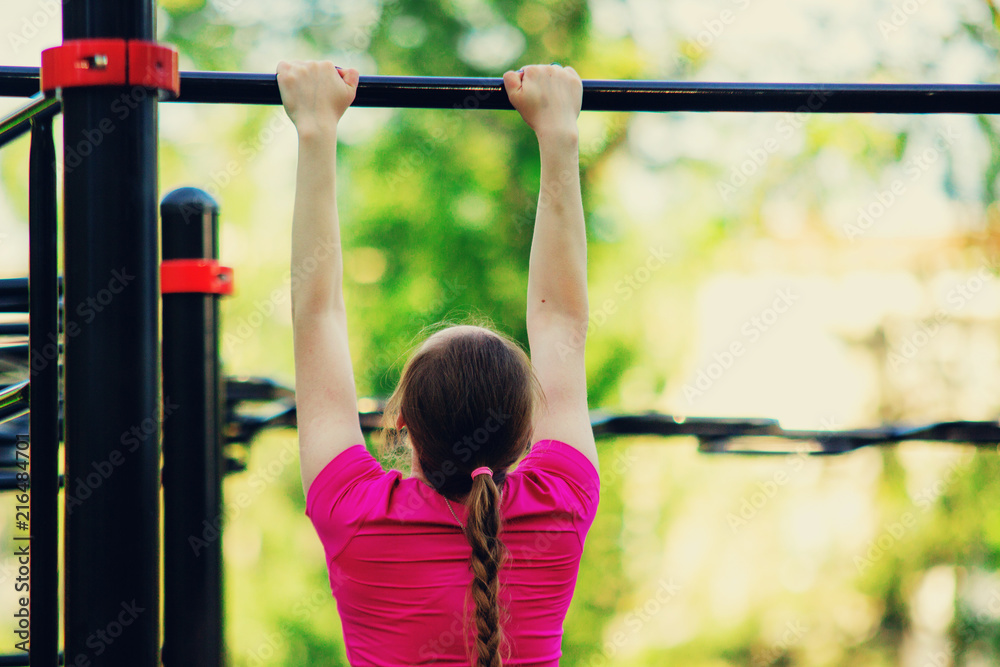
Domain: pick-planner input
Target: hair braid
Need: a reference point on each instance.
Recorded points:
(482, 530)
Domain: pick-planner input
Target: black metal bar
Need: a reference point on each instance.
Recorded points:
(18, 123)
(19, 660)
(192, 444)
(714, 434)
(43, 342)
(14, 295)
(598, 95)
(19, 81)
(14, 401)
(113, 404)
(488, 93)
(13, 328)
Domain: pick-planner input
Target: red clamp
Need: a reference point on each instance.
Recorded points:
(110, 62)
(202, 276)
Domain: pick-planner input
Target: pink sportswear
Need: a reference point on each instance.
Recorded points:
(398, 561)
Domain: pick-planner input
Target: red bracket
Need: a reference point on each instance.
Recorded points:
(110, 62)
(202, 276)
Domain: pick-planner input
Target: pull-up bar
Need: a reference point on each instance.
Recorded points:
(414, 92)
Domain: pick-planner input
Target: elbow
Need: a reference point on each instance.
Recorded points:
(572, 316)
(309, 303)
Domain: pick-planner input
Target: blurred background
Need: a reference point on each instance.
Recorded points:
(853, 258)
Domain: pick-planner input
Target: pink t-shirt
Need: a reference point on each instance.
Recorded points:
(398, 561)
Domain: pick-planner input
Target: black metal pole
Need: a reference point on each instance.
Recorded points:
(43, 343)
(598, 95)
(192, 444)
(112, 356)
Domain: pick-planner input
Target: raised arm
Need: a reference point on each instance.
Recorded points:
(549, 98)
(316, 95)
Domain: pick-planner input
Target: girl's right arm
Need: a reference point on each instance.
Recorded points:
(549, 99)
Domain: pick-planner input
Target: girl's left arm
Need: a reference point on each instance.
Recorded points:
(316, 95)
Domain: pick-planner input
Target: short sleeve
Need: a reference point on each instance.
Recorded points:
(577, 474)
(342, 496)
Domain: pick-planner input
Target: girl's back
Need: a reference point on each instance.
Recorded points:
(398, 559)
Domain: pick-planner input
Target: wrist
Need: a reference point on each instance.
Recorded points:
(316, 132)
(562, 139)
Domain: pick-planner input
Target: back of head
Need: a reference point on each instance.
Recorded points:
(467, 399)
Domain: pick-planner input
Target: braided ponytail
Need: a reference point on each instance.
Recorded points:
(482, 530)
(468, 381)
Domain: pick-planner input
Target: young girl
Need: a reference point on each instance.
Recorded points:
(468, 560)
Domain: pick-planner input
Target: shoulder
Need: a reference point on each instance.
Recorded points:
(351, 467)
(556, 474)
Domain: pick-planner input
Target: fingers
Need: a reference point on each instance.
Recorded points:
(512, 82)
(350, 76)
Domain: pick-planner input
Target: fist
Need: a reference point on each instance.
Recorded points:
(548, 97)
(316, 94)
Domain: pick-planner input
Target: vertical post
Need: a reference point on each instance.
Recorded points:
(43, 343)
(112, 355)
(192, 444)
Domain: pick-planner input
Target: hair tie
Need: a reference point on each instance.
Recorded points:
(484, 470)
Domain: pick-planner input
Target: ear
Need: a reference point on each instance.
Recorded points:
(400, 424)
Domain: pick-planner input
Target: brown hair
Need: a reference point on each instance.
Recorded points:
(467, 399)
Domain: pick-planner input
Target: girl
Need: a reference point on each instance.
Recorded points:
(468, 560)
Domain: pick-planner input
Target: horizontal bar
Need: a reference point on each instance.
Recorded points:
(10, 482)
(488, 93)
(14, 401)
(13, 328)
(18, 123)
(714, 434)
(14, 295)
